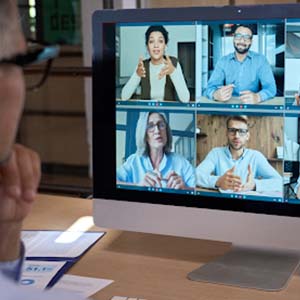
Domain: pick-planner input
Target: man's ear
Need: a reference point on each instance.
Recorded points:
(248, 136)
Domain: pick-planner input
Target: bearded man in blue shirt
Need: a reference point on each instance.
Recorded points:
(243, 73)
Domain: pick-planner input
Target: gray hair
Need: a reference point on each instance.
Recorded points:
(141, 134)
(9, 27)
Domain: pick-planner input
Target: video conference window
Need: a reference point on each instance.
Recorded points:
(244, 64)
(157, 150)
(202, 109)
(156, 62)
(237, 154)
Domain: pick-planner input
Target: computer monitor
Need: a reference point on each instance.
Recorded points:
(195, 116)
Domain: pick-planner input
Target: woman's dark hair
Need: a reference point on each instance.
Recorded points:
(159, 28)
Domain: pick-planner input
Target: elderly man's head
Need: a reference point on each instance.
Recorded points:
(12, 91)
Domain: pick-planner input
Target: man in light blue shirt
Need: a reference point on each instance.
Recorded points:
(235, 167)
(244, 73)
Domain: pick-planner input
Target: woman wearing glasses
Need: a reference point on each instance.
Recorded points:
(153, 164)
(243, 73)
(159, 76)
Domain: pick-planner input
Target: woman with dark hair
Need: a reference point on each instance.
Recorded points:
(159, 76)
(153, 164)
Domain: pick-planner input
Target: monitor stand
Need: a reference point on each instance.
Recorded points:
(250, 268)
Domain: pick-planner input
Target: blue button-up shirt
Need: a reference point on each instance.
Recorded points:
(219, 160)
(136, 166)
(254, 74)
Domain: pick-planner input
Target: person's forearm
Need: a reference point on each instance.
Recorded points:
(216, 80)
(204, 179)
(10, 233)
(130, 87)
(266, 94)
(180, 85)
(268, 84)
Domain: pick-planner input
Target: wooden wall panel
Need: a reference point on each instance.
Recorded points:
(266, 133)
(246, 2)
(59, 93)
(59, 140)
(181, 3)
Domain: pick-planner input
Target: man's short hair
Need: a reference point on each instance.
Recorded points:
(141, 134)
(243, 119)
(250, 27)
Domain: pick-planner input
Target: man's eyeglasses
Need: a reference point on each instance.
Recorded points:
(161, 125)
(241, 131)
(245, 37)
(36, 54)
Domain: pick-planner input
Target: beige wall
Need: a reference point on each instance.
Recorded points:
(54, 122)
(58, 139)
(242, 2)
(174, 3)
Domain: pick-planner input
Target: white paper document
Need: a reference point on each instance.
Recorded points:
(12, 291)
(38, 274)
(62, 244)
(85, 286)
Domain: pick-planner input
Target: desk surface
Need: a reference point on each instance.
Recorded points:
(145, 265)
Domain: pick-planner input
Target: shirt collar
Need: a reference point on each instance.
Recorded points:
(161, 165)
(249, 55)
(228, 153)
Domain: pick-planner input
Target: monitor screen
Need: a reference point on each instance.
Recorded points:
(198, 107)
(196, 129)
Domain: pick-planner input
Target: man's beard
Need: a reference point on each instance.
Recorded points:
(242, 51)
(233, 147)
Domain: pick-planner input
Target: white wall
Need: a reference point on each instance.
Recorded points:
(124, 4)
(291, 128)
(87, 9)
(292, 76)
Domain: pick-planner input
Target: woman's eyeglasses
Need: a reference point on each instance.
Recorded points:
(160, 125)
